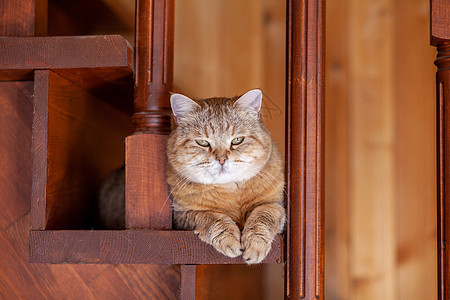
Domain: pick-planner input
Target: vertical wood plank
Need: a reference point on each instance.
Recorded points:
(147, 198)
(15, 144)
(39, 150)
(414, 153)
(371, 152)
(337, 260)
(187, 285)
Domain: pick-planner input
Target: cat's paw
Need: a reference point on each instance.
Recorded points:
(224, 237)
(256, 247)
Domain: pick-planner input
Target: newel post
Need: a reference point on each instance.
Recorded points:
(147, 203)
(440, 37)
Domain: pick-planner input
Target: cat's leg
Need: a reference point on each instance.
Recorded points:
(264, 222)
(213, 228)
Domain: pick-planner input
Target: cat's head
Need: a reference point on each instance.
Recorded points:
(218, 140)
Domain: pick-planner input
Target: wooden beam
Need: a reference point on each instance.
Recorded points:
(131, 247)
(304, 150)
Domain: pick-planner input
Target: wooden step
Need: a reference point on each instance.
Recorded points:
(131, 247)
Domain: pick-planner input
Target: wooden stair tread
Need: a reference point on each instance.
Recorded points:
(131, 247)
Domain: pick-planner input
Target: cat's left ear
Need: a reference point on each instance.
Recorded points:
(182, 105)
(252, 99)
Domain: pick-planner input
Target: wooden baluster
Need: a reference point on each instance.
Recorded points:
(304, 150)
(147, 203)
(440, 37)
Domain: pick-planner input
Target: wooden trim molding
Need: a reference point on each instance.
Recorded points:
(443, 147)
(440, 37)
(305, 150)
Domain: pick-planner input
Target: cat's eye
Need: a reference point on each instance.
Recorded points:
(237, 141)
(202, 143)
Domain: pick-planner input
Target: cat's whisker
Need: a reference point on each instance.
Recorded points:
(268, 180)
(184, 180)
(267, 173)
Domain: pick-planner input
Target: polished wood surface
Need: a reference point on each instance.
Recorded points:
(152, 119)
(154, 65)
(440, 37)
(304, 151)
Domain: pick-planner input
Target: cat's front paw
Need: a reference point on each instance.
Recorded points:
(256, 247)
(224, 237)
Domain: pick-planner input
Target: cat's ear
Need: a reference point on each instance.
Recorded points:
(252, 100)
(182, 105)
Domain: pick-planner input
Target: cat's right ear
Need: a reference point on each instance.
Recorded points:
(182, 105)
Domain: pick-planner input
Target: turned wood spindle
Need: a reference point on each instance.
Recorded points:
(440, 38)
(147, 203)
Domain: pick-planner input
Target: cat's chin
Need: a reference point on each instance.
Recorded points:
(224, 178)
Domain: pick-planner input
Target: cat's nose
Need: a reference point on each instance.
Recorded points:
(222, 159)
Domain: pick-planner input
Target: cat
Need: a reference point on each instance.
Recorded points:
(225, 174)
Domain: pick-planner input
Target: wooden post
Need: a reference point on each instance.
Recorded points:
(440, 37)
(147, 203)
(23, 18)
(304, 150)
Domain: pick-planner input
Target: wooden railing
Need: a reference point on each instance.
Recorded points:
(83, 95)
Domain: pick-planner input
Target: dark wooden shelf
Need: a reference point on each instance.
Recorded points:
(131, 247)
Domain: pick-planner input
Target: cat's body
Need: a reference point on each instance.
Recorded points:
(226, 175)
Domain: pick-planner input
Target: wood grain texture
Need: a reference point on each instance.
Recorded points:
(81, 142)
(19, 18)
(147, 197)
(371, 152)
(304, 151)
(380, 144)
(187, 284)
(20, 279)
(440, 16)
(101, 64)
(15, 143)
(154, 65)
(130, 246)
(337, 259)
(237, 282)
(443, 109)
(414, 153)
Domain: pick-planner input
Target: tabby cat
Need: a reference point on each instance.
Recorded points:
(225, 174)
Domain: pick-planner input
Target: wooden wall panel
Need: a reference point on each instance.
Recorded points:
(380, 151)
(415, 153)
